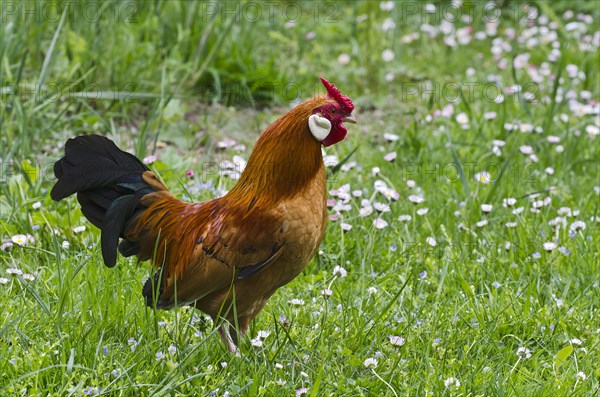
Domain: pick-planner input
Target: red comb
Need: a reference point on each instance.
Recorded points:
(334, 93)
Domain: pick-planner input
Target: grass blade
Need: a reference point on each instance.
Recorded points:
(48, 58)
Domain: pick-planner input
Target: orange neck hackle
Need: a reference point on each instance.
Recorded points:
(285, 158)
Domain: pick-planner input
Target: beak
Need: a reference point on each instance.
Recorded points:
(350, 119)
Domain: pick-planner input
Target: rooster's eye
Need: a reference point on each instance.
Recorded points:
(332, 111)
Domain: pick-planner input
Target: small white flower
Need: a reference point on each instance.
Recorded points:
(577, 226)
(149, 160)
(14, 270)
(159, 356)
(37, 205)
(256, 342)
(340, 271)
(462, 118)
(518, 210)
(523, 352)
(331, 160)
(371, 363)
(263, 334)
(483, 177)
(224, 364)
(431, 241)
(278, 366)
(172, 349)
(345, 226)
(28, 277)
(559, 302)
(452, 383)
(592, 131)
(576, 341)
(19, 239)
(581, 376)
(365, 211)
(132, 343)
(526, 128)
(387, 55)
(404, 218)
(564, 211)
(326, 292)
(549, 246)
(509, 202)
(482, 223)
(572, 70)
(343, 59)
(391, 194)
(422, 211)
(417, 199)
(386, 5)
(3, 280)
(380, 187)
(381, 207)
(391, 137)
(296, 302)
(388, 24)
(553, 139)
(390, 156)
(486, 207)
(373, 290)
(79, 229)
(525, 149)
(410, 183)
(379, 224)
(397, 340)
(65, 244)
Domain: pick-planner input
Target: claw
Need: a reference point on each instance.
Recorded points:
(228, 340)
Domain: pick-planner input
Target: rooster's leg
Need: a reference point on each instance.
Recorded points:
(227, 339)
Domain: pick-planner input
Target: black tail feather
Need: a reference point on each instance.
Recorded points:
(129, 248)
(114, 223)
(109, 185)
(91, 162)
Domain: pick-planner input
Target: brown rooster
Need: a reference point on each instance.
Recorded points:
(225, 256)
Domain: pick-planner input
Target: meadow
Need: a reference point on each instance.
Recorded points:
(462, 256)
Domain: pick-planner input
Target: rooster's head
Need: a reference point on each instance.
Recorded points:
(327, 121)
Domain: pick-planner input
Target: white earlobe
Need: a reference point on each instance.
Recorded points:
(319, 126)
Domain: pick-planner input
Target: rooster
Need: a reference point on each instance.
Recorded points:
(225, 256)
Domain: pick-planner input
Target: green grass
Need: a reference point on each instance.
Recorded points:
(463, 307)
